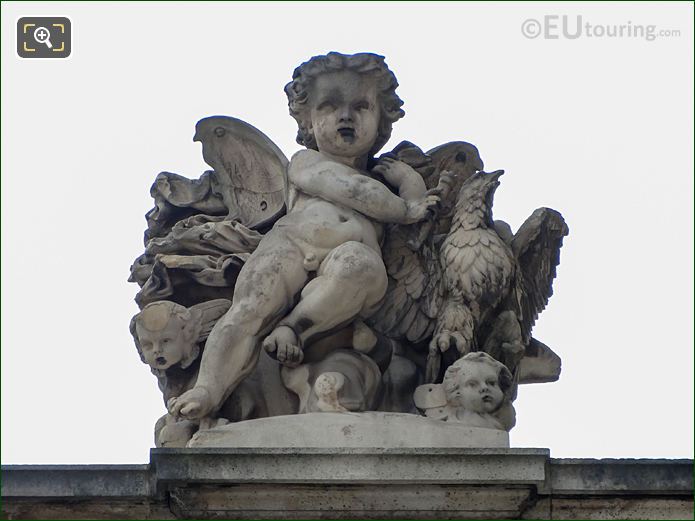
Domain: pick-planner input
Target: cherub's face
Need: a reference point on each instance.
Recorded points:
(166, 347)
(344, 114)
(480, 390)
(325, 384)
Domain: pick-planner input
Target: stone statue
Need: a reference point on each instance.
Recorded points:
(475, 392)
(353, 277)
(169, 338)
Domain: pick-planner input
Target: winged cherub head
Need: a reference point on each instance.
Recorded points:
(344, 105)
(167, 334)
(477, 383)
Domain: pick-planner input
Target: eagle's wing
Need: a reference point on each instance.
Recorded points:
(250, 171)
(536, 246)
(414, 295)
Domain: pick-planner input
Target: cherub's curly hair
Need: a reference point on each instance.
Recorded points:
(362, 63)
(452, 377)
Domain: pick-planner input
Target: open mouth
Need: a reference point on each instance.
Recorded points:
(487, 399)
(161, 360)
(347, 132)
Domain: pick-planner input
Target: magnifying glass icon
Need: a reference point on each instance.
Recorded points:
(43, 35)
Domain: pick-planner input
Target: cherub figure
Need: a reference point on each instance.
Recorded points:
(320, 266)
(168, 337)
(475, 391)
(167, 334)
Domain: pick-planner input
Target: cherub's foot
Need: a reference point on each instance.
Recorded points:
(191, 405)
(283, 345)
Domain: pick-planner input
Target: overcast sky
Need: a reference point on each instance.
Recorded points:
(597, 127)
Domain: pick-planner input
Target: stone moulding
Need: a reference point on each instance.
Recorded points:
(339, 483)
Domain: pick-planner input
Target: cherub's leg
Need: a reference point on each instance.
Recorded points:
(351, 282)
(265, 290)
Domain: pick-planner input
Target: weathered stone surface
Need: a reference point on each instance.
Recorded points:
(99, 508)
(340, 502)
(363, 275)
(80, 492)
(634, 476)
(353, 483)
(70, 481)
(351, 465)
(611, 507)
(335, 430)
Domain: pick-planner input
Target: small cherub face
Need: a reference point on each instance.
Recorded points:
(325, 384)
(167, 346)
(479, 388)
(345, 114)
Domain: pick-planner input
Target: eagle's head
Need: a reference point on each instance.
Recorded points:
(474, 202)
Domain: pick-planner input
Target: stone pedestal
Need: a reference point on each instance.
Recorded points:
(350, 430)
(356, 483)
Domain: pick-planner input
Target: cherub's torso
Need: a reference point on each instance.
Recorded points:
(317, 225)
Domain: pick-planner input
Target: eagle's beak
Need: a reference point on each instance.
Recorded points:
(496, 174)
(492, 182)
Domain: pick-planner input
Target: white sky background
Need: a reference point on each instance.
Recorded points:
(600, 129)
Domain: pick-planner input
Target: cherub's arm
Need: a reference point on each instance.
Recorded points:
(315, 175)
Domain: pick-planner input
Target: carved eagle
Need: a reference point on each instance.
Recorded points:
(474, 287)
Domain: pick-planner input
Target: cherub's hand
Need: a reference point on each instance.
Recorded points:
(421, 209)
(443, 188)
(191, 405)
(394, 171)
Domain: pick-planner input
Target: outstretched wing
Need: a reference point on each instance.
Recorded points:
(250, 171)
(536, 246)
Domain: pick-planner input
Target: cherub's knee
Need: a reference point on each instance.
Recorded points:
(361, 267)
